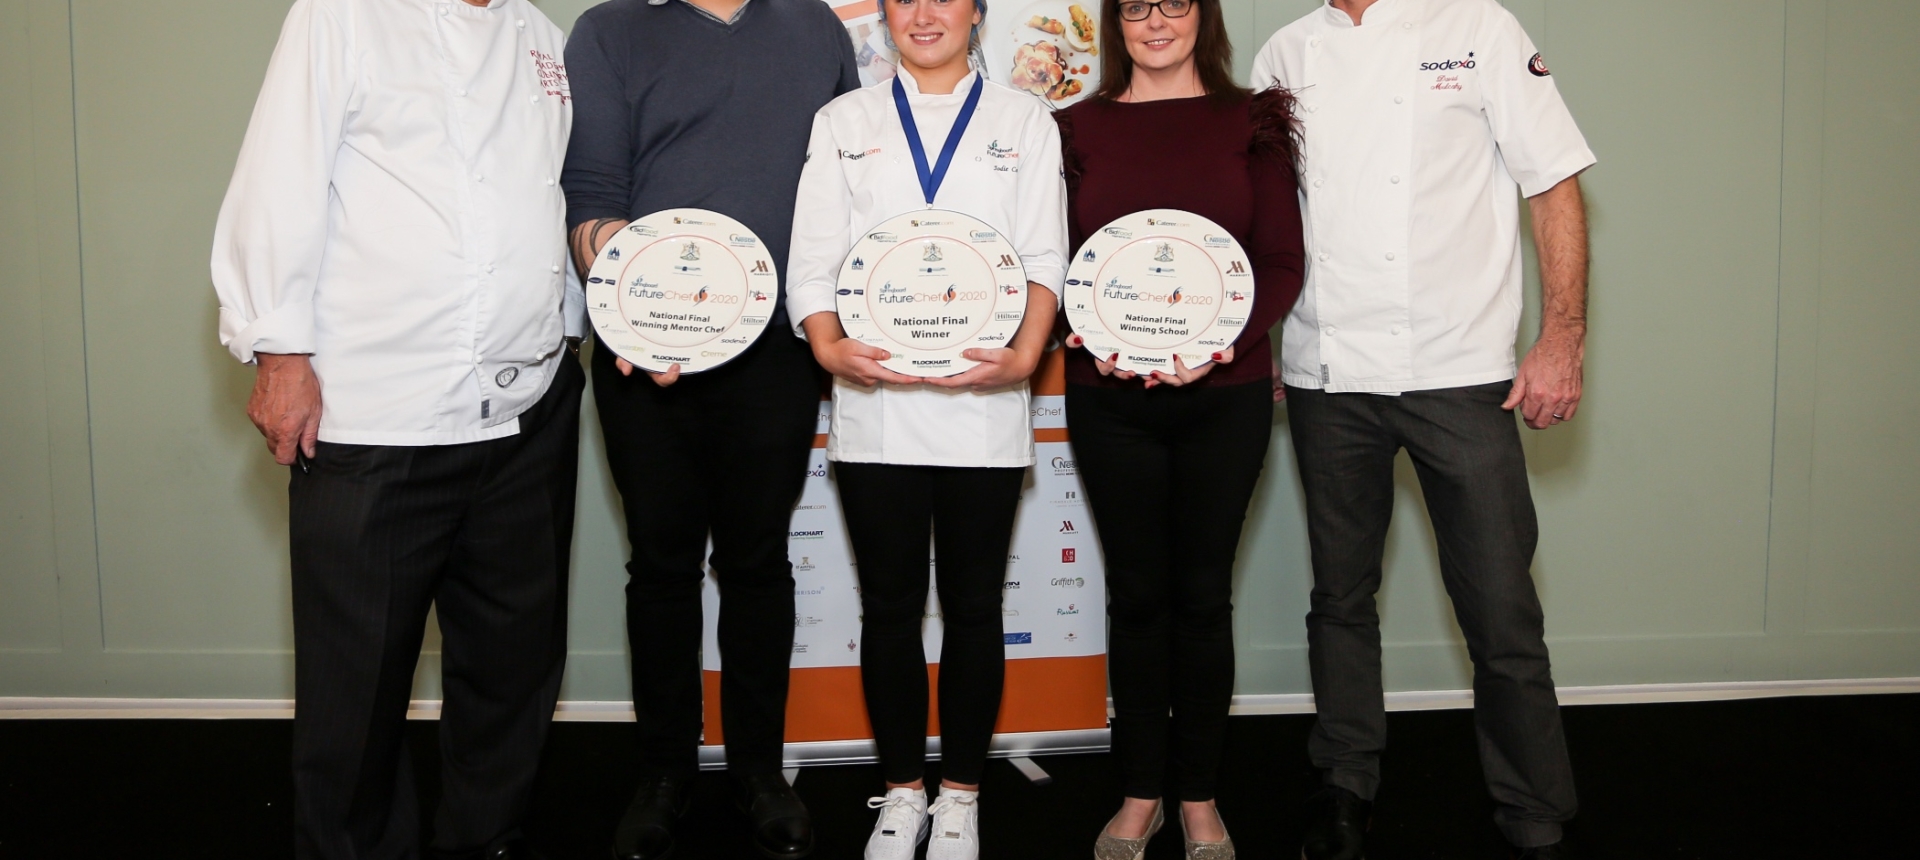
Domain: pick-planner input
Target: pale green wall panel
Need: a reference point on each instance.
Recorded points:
(30, 592)
(1866, 546)
(1750, 357)
(192, 517)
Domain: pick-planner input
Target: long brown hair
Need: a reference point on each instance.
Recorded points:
(1212, 53)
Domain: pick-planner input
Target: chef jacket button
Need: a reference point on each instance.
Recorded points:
(1319, 182)
(460, 93)
(1313, 44)
(520, 22)
(1399, 100)
(1395, 331)
(556, 269)
(533, 100)
(1323, 256)
(549, 181)
(489, 268)
(443, 11)
(1331, 331)
(479, 177)
(1406, 25)
(1389, 256)
(1395, 180)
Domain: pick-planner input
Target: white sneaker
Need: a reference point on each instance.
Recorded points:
(956, 826)
(902, 824)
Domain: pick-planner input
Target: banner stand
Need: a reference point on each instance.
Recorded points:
(1006, 745)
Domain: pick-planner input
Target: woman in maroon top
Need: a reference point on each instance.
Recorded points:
(1170, 460)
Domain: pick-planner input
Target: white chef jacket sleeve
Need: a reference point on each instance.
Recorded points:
(573, 303)
(821, 232)
(1266, 65)
(1040, 222)
(1537, 136)
(272, 229)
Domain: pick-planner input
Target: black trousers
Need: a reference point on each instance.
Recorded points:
(890, 511)
(1169, 474)
(1466, 450)
(720, 453)
(479, 532)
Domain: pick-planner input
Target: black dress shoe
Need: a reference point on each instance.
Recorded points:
(1556, 851)
(782, 829)
(1339, 827)
(646, 829)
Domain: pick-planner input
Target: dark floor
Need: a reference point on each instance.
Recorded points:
(1818, 778)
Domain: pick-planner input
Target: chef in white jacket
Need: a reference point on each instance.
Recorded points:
(1425, 122)
(941, 455)
(391, 257)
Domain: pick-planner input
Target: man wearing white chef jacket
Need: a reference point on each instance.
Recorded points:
(391, 257)
(1425, 122)
(937, 457)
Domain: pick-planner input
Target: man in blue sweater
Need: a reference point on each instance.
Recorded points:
(705, 103)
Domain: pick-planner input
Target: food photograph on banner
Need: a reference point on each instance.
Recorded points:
(1048, 48)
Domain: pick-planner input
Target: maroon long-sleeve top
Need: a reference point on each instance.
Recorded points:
(1230, 160)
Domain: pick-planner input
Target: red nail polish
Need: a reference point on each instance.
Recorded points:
(1216, 356)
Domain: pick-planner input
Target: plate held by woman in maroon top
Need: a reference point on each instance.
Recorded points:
(1158, 284)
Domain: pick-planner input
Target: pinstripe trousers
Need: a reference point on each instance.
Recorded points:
(479, 533)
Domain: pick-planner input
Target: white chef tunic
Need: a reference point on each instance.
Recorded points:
(396, 212)
(859, 173)
(1421, 124)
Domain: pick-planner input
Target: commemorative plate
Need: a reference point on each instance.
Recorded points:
(682, 286)
(930, 284)
(1156, 284)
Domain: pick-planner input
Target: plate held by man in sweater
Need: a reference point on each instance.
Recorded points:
(929, 285)
(682, 286)
(1158, 284)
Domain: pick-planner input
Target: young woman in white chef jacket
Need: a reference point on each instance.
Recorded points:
(915, 455)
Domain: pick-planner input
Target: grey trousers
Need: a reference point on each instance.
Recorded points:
(1466, 451)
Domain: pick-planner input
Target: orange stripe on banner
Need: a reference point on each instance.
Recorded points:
(819, 441)
(1051, 376)
(856, 9)
(1043, 694)
(1050, 434)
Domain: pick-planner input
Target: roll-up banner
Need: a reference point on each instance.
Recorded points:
(1055, 593)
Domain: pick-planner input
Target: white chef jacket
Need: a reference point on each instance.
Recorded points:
(396, 213)
(1006, 172)
(1420, 126)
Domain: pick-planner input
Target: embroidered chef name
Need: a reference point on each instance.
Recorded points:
(553, 75)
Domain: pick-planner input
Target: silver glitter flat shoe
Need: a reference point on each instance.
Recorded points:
(1111, 847)
(1222, 850)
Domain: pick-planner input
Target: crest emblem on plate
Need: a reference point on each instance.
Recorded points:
(933, 253)
(690, 252)
(1164, 254)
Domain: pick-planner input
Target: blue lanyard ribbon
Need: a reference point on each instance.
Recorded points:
(930, 179)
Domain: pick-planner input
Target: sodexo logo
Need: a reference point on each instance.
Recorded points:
(1450, 65)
